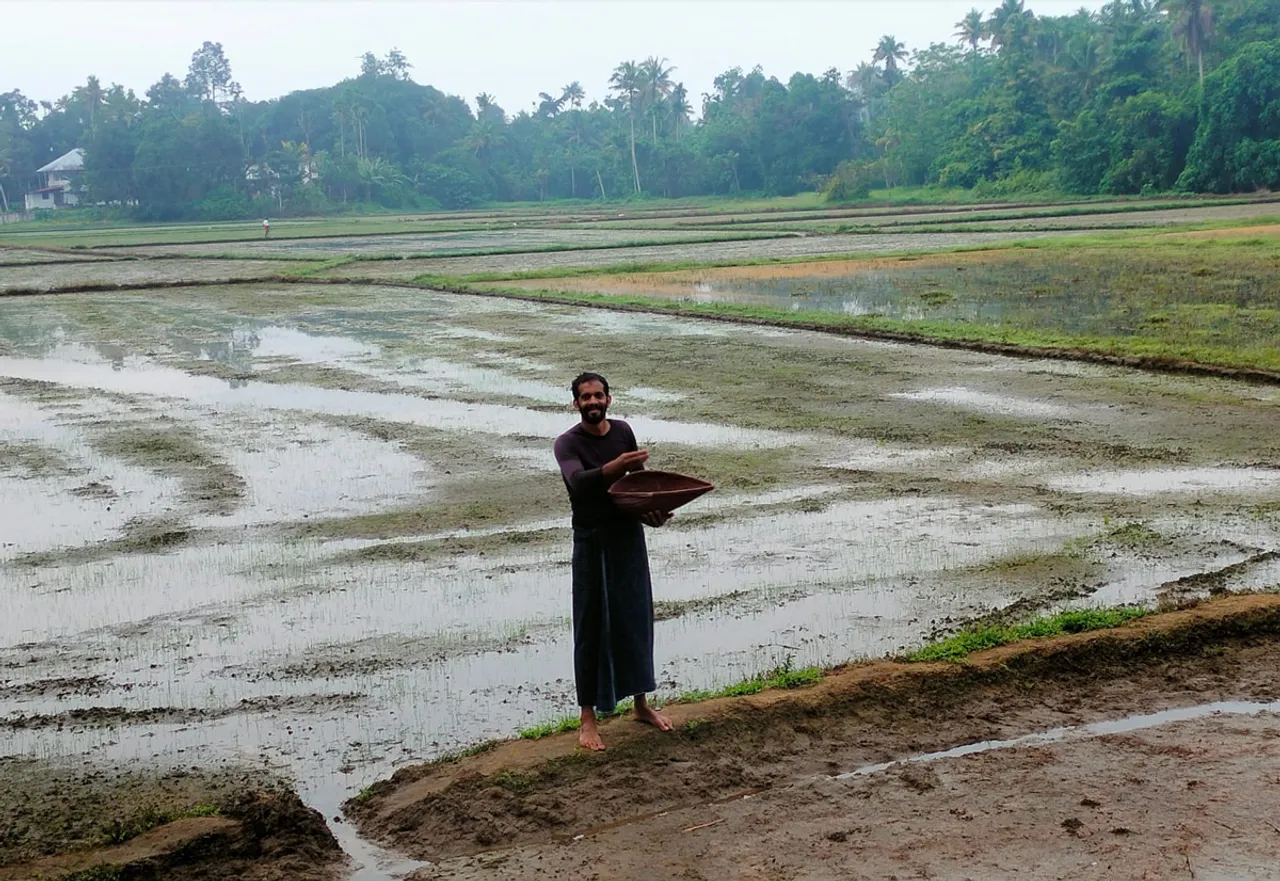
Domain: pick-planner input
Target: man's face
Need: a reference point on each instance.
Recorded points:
(592, 402)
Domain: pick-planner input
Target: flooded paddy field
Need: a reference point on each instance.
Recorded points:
(131, 272)
(761, 249)
(1216, 304)
(321, 526)
(515, 238)
(26, 256)
(1077, 215)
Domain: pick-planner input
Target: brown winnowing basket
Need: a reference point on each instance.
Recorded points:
(642, 492)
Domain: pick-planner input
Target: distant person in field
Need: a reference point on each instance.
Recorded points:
(612, 595)
(266, 228)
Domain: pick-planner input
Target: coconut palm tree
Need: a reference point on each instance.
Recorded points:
(680, 108)
(890, 51)
(1006, 16)
(549, 106)
(90, 96)
(971, 30)
(378, 172)
(574, 94)
(1193, 26)
(626, 81)
(484, 138)
(487, 108)
(656, 79)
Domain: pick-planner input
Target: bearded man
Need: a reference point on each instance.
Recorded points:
(612, 594)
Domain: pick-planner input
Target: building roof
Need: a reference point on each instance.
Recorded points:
(73, 161)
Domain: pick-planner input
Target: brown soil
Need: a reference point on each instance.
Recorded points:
(260, 838)
(741, 789)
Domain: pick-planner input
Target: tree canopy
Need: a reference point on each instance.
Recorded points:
(1140, 96)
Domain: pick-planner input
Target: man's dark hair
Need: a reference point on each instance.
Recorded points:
(588, 377)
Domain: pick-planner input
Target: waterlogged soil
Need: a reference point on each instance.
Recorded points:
(514, 235)
(1146, 752)
(59, 818)
(123, 273)
(10, 257)
(763, 249)
(397, 530)
(1215, 303)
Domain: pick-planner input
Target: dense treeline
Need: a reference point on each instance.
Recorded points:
(1140, 96)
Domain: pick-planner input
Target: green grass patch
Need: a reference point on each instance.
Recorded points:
(546, 729)
(146, 819)
(571, 723)
(1206, 303)
(1134, 536)
(959, 646)
(785, 675)
(97, 873)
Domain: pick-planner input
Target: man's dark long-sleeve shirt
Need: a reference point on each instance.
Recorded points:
(582, 455)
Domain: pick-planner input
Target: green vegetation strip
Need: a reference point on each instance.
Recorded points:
(784, 676)
(1133, 351)
(982, 637)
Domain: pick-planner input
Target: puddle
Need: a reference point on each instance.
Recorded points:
(136, 376)
(1154, 481)
(309, 470)
(872, 456)
(96, 497)
(275, 341)
(1076, 732)
(987, 403)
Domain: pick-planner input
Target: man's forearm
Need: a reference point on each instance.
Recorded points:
(585, 481)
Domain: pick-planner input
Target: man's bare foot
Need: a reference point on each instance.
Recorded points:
(650, 716)
(589, 736)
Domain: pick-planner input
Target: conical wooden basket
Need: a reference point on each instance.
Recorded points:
(642, 492)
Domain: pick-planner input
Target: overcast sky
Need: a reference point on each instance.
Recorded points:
(513, 50)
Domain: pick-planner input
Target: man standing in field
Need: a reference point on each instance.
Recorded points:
(612, 595)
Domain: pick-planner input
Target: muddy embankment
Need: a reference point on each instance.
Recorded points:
(253, 835)
(520, 802)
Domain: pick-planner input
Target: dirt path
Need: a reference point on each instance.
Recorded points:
(751, 788)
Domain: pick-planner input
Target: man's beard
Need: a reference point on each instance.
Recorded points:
(592, 415)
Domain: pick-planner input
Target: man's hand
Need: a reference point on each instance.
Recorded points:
(625, 464)
(655, 518)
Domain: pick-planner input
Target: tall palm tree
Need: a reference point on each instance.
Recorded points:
(378, 172)
(890, 51)
(90, 97)
(626, 81)
(487, 108)
(1006, 16)
(971, 30)
(575, 134)
(1193, 26)
(484, 138)
(656, 80)
(680, 108)
(549, 106)
(574, 94)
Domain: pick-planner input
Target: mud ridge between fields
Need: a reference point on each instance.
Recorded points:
(260, 837)
(527, 792)
(114, 717)
(1157, 364)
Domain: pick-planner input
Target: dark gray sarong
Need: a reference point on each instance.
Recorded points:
(612, 614)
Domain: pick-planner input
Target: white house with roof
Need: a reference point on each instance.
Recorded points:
(57, 181)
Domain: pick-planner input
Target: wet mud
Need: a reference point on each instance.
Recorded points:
(125, 273)
(272, 497)
(905, 768)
